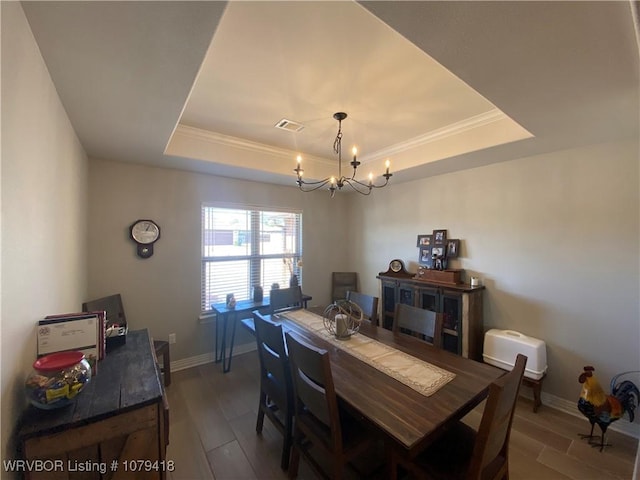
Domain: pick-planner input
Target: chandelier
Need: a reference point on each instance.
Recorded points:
(336, 183)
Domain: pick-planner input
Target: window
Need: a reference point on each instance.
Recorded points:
(242, 248)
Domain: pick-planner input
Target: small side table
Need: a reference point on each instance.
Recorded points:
(162, 349)
(537, 389)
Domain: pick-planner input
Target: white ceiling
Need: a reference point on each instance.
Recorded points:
(432, 86)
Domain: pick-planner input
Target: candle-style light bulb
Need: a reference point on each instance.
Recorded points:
(333, 180)
(370, 178)
(387, 164)
(298, 168)
(355, 152)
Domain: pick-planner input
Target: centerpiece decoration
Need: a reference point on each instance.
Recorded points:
(342, 318)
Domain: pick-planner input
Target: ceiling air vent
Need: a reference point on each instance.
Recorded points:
(289, 125)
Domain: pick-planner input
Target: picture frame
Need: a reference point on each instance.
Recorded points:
(438, 251)
(425, 240)
(439, 237)
(453, 248)
(425, 258)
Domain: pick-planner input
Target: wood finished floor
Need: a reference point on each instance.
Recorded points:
(212, 434)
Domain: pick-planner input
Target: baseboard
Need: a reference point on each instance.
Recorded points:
(566, 406)
(208, 357)
(621, 426)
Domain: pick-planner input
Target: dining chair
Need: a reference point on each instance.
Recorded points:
(341, 283)
(319, 422)
(367, 303)
(283, 299)
(276, 392)
(462, 452)
(418, 322)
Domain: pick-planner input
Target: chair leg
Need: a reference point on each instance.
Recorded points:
(287, 442)
(294, 462)
(260, 420)
(162, 348)
(392, 464)
(286, 452)
(338, 469)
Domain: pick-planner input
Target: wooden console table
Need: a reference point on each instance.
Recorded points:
(118, 423)
(241, 309)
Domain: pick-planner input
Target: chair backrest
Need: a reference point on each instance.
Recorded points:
(112, 305)
(275, 374)
(492, 440)
(315, 401)
(341, 283)
(283, 299)
(367, 303)
(419, 322)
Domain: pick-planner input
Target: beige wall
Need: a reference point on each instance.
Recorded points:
(553, 237)
(162, 293)
(44, 197)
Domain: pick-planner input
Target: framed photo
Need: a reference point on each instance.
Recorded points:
(438, 251)
(453, 248)
(425, 257)
(425, 240)
(439, 237)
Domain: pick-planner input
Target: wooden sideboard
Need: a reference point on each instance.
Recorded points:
(459, 305)
(116, 428)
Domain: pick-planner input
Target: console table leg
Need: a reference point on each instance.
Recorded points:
(227, 366)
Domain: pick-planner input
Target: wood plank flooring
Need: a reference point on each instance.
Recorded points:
(212, 434)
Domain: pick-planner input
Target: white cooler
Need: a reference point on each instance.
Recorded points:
(502, 346)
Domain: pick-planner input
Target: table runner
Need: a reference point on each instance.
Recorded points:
(413, 372)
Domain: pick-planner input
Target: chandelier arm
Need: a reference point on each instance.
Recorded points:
(369, 185)
(316, 186)
(383, 185)
(305, 182)
(354, 186)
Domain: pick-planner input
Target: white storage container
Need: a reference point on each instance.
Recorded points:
(502, 346)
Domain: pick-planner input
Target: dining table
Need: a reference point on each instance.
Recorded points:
(408, 419)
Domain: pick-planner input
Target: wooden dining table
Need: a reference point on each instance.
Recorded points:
(408, 420)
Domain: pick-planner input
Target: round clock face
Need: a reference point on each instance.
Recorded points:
(145, 232)
(395, 265)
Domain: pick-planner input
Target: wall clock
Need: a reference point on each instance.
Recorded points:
(144, 233)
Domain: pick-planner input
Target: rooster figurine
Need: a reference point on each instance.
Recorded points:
(603, 409)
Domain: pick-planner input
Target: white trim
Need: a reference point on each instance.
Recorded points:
(214, 138)
(209, 357)
(447, 131)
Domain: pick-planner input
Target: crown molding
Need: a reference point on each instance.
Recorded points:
(218, 139)
(448, 131)
(199, 135)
